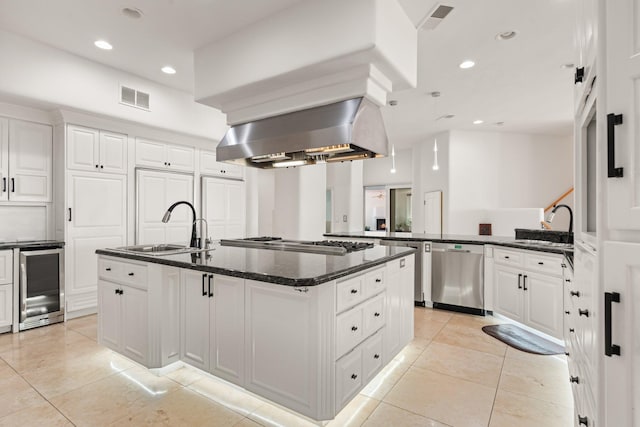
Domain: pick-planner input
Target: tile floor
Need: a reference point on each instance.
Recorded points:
(452, 374)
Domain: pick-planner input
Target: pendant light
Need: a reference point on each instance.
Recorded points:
(435, 166)
(435, 95)
(393, 159)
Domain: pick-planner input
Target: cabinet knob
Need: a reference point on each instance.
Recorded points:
(572, 330)
(574, 380)
(376, 356)
(354, 376)
(378, 280)
(169, 164)
(566, 353)
(165, 163)
(583, 421)
(567, 312)
(354, 291)
(584, 313)
(101, 166)
(376, 314)
(540, 263)
(130, 274)
(117, 291)
(575, 294)
(96, 166)
(567, 280)
(506, 257)
(108, 268)
(354, 328)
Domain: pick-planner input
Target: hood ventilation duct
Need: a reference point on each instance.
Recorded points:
(346, 130)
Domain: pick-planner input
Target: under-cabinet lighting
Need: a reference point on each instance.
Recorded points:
(289, 163)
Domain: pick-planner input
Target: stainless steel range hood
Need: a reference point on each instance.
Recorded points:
(346, 130)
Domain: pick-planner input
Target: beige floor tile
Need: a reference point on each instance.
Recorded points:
(89, 331)
(425, 313)
(186, 375)
(52, 335)
(412, 350)
(515, 410)
(226, 395)
(246, 422)
(384, 381)
(514, 353)
(464, 363)
(15, 393)
(80, 322)
(544, 379)
(355, 413)
(428, 328)
(182, 408)
(122, 395)
(41, 414)
(387, 415)
(77, 372)
(470, 337)
(471, 320)
(269, 415)
(443, 398)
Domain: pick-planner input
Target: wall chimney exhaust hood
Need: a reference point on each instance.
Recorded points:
(346, 130)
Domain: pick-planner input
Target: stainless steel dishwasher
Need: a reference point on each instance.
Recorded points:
(458, 277)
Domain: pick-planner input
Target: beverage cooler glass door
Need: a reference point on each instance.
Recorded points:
(41, 287)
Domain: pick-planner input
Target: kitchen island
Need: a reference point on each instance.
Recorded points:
(307, 331)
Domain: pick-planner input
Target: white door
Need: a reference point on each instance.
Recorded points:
(97, 218)
(508, 293)
(544, 304)
(113, 152)
(155, 192)
(433, 212)
(110, 315)
(30, 161)
(135, 332)
(4, 159)
(621, 372)
(223, 206)
(194, 341)
(82, 148)
(227, 329)
(622, 97)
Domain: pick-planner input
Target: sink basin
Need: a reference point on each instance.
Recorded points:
(157, 250)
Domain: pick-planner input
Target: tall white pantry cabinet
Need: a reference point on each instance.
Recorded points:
(607, 147)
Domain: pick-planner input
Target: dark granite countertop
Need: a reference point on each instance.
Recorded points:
(30, 244)
(274, 266)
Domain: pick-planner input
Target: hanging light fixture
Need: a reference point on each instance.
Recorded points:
(435, 155)
(393, 159)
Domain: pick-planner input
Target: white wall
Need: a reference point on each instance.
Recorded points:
(345, 180)
(378, 171)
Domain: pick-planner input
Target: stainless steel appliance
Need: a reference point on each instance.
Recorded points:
(328, 247)
(41, 286)
(422, 267)
(458, 277)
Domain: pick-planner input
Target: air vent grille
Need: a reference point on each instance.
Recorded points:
(134, 98)
(434, 17)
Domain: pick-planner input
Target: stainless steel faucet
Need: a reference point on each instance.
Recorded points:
(167, 217)
(203, 241)
(553, 212)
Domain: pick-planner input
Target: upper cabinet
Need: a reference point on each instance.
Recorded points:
(25, 161)
(210, 166)
(97, 150)
(165, 156)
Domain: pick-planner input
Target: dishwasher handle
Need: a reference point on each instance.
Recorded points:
(465, 251)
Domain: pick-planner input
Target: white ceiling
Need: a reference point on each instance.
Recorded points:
(519, 82)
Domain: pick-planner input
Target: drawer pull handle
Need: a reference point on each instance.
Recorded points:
(354, 328)
(378, 280)
(376, 356)
(354, 291)
(572, 330)
(506, 257)
(609, 348)
(354, 376)
(209, 288)
(108, 268)
(540, 263)
(575, 380)
(204, 291)
(575, 294)
(567, 280)
(583, 421)
(96, 166)
(130, 274)
(519, 279)
(376, 314)
(524, 282)
(566, 353)
(305, 290)
(584, 313)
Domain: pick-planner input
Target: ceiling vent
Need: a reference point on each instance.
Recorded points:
(134, 98)
(434, 17)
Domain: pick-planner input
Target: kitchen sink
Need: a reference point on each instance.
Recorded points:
(158, 250)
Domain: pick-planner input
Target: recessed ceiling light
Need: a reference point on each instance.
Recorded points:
(467, 64)
(478, 122)
(167, 69)
(506, 35)
(132, 12)
(103, 44)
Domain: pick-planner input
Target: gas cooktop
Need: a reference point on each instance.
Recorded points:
(330, 247)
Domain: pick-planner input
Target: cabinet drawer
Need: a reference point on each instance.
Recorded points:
(374, 282)
(371, 357)
(349, 330)
(349, 293)
(348, 377)
(373, 313)
(123, 272)
(507, 257)
(544, 264)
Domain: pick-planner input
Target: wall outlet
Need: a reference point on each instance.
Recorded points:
(344, 218)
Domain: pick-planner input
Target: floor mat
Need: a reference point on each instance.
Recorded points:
(523, 340)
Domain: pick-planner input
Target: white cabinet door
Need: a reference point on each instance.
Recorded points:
(622, 97)
(82, 148)
(621, 376)
(4, 159)
(109, 315)
(135, 332)
(544, 304)
(155, 192)
(96, 218)
(194, 345)
(210, 166)
(6, 267)
(6, 304)
(113, 152)
(223, 206)
(508, 297)
(180, 158)
(227, 328)
(30, 161)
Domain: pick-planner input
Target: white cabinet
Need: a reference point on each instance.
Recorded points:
(210, 166)
(123, 314)
(399, 306)
(25, 161)
(96, 150)
(96, 217)
(6, 288)
(223, 206)
(6, 266)
(165, 156)
(213, 324)
(528, 289)
(155, 192)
